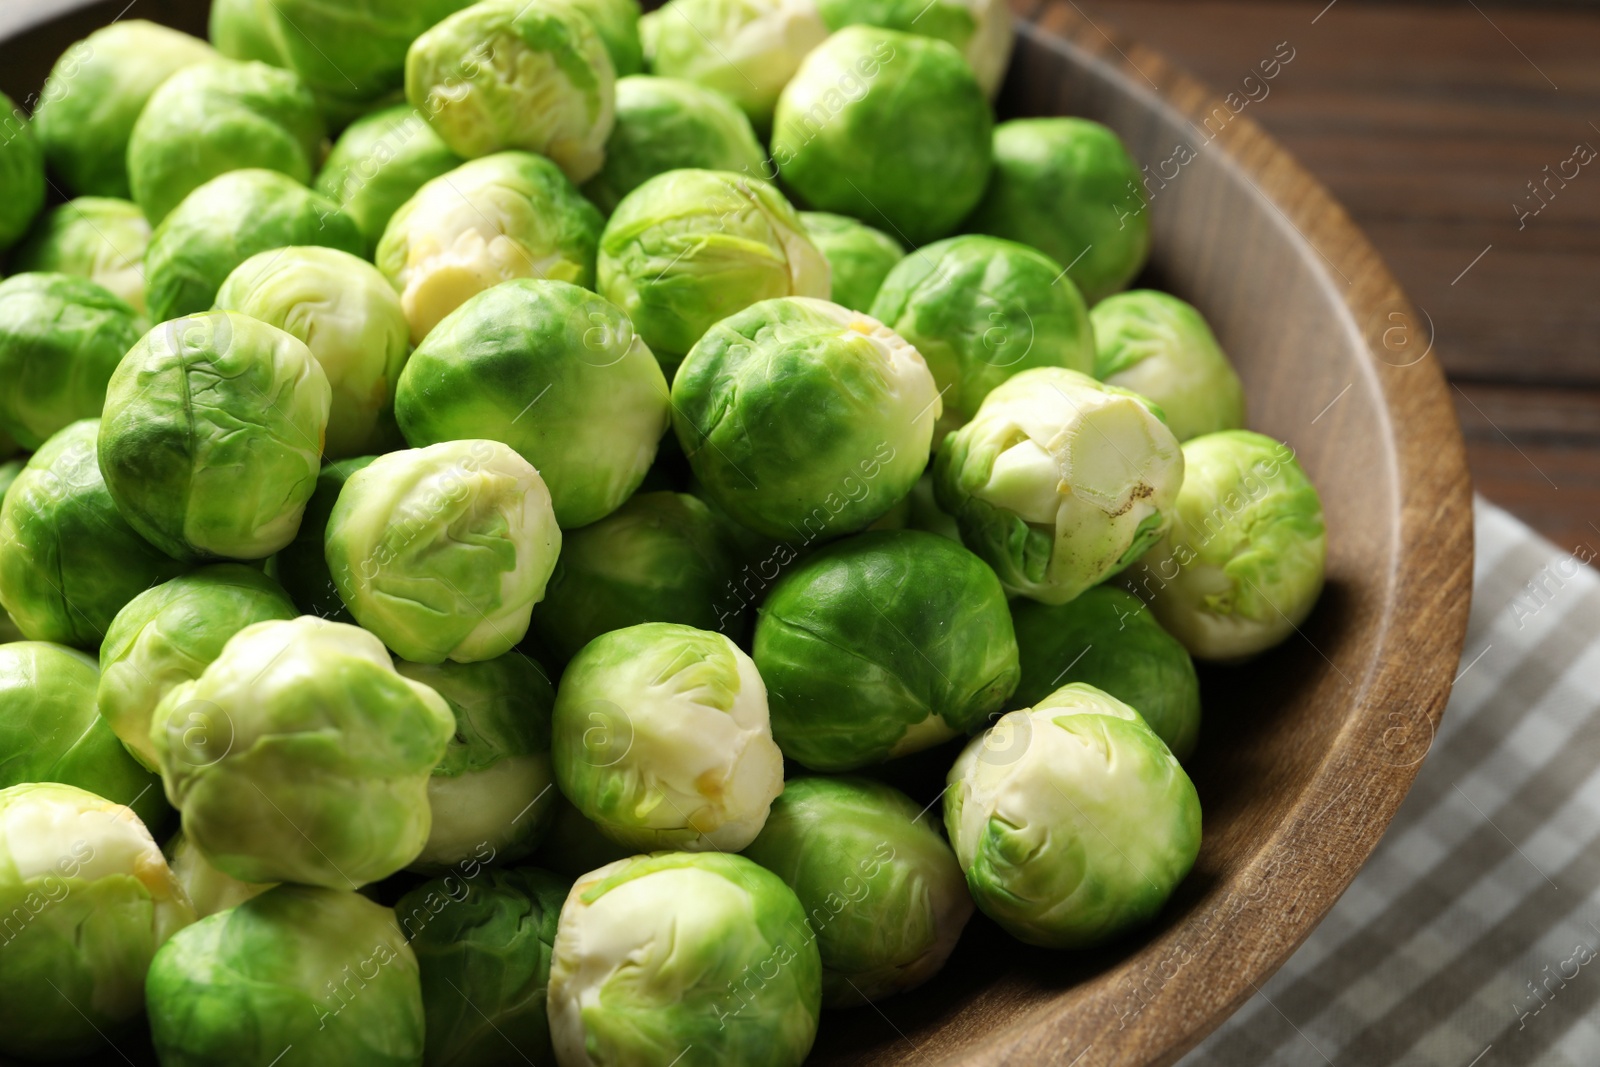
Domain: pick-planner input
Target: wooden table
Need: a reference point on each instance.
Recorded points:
(1429, 121)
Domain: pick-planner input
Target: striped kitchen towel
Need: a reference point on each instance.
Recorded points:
(1472, 936)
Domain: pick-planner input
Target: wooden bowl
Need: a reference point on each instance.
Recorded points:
(1304, 755)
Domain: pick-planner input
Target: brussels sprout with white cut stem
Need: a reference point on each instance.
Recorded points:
(1244, 561)
(1072, 821)
(1161, 347)
(300, 755)
(661, 737)
(980, 29)
(699, 956)
(794, 378)
(882, 892)
(859, 257)
(21, 173)
(226, 476)
(1059, 482)
(443, 551)
(379, 162)
(88, 900)
(208, 889)
(94, 237)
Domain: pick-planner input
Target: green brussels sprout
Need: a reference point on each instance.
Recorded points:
(1059, 482)
(225, 222)
(169, 634)
(858, 256)
(379, 162)
(61, 337)
(888, 127)
(509, 215)
(980, 310)
(50, 731)
(884, 898)
(87, 900)
(300, 755)
(1160, 347)
(493, 788)
(661, 737)
(93, 237)
(95, 92)
(881, 645)
(803, 419)
(1069, 188)
(69, 561)
(691, 247)
(484, 950)
(1072, 821)
(211, 436)
(924, 513)
(656, 956)
(302, 564)
(443, 551)
(555, 372)
(213, 118)
(237, 32)
(1243, 564)
(509, 74)
(574, 845)
(208, 889)
(21, 174)
(302, 973)
(980, 29)
(1108, 639)
(745, 49)
(350, 318)
(658, 558)
(617, 23)
(670, 124)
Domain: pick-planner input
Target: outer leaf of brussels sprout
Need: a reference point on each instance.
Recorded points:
(379, 162)
(21, 173)
(94, 237)
(858, 256)
(617, 23)
(981, 29)
(302, 564)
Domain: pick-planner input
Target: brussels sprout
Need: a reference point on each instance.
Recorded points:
(1069, 188)
(1059, 482)
(661, 737)
(443, 551)
(21, 174)
(888, 127)
(691, 247)
(883, 896)
(225, 222)
(924, 513)
(1161, 348)
(492, 791)
(208, 889)
(980, 310)
(510, 215)
(1242, 566)
(211, 436)
(300, 755)
(745, 49)
(881, 645)
(237, 32)
(509, 74)
(617, 23)
(61, 337)
(87, 900)
(658, 558)
(301, 973)
(94, 94)
(803, 419)
(50, 731)
(556, 373)
(69, 561)
(670, 124)
(170, 634)
(1071, 820)
(660, 953)
(858, 256)
(213, 118)
(302, 565)
(484, 949)
(574, 846)
(92, 237)
(1106, 638)
(981, 29)
(379, 162)
(349, 317)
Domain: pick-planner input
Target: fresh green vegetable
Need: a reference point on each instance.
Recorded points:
(981, 29)
(93, 237)
(858, 256)
(379, 162)
(208, 889)
(302, 564)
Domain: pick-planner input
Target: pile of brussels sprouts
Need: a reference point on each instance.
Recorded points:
(482, 551)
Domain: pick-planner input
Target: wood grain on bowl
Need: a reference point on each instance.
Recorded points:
(1304, 755)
